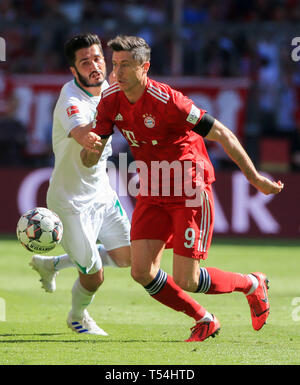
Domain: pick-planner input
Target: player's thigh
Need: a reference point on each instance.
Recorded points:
(79, 240)
(150, 221)
(145, 259)
(121, 256)
(114, 232)
(151, 227)
(193, 228)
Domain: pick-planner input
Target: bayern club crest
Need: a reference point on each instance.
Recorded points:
(149, 120)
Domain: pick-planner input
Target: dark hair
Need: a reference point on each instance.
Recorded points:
(138, 47)
(77, 42)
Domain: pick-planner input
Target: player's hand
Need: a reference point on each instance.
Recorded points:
(92, 142)
(267, 186)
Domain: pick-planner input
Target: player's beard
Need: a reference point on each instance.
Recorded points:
(85, 81)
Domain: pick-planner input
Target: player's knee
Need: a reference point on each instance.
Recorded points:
(125, 261)
(98, 281)
(92, 282)
(121, 256)
(140, 276)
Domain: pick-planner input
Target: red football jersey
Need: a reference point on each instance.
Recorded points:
(171, 158)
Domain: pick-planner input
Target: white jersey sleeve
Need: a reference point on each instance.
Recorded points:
(71, 113)
(73, 187)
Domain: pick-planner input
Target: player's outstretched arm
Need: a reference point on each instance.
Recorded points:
(89, 158)
(236, 152)
(85, 138)
(93, 148)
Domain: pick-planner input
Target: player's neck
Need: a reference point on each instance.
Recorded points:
(91, 91)
(134, 94)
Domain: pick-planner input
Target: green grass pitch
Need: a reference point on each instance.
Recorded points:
(141, 331)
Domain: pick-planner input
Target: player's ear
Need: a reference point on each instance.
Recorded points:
(146, 66)
(72, 69)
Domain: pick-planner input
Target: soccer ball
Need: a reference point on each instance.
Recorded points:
(39, 230)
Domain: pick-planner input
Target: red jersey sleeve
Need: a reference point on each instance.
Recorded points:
(186, 113)
(103, 122)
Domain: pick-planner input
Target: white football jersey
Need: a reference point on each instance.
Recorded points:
(72, 185)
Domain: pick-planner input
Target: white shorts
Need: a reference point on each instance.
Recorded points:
(107, 223)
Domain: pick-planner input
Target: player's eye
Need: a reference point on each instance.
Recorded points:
(99, 60)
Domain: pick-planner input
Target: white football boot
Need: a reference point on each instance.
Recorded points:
(48, 274)
(85, 326)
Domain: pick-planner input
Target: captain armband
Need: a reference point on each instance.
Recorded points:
(204, 125)
(105, 136)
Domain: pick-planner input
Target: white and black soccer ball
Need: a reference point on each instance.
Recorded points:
(39, 230)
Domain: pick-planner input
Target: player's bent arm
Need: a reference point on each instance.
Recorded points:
(79, 132)
(90, 158)
(87, 139)
(236, 152)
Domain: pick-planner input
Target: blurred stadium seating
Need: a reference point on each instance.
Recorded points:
(205, 38)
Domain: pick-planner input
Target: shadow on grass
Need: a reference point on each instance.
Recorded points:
(86, 340)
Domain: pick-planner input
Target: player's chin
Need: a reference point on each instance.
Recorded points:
(96, 83)
(96, 80)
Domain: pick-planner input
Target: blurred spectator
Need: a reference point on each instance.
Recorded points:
(13, 134)
(7, 10)
(268, 86)
(218, 38)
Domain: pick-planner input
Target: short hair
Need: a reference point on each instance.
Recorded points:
(84, 40)
(138, 47)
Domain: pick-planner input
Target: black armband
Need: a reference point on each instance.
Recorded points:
(204, 125)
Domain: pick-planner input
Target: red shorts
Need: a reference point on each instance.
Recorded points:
(188, 230)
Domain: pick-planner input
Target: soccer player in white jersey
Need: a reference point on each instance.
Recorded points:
(82, 197)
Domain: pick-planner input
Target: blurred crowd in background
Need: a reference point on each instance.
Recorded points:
(204, 38)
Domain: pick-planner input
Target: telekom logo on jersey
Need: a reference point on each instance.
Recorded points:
(178, 178)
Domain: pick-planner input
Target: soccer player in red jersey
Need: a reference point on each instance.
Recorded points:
(165, 131)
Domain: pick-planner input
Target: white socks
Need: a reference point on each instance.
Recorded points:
(62, 262)
(254, 283)
(207, 318)
(81, 299)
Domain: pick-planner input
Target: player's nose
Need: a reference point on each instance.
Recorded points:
(95, 65)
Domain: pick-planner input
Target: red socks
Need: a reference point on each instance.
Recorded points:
(227, 282)
(212, 281)
(164, 289)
